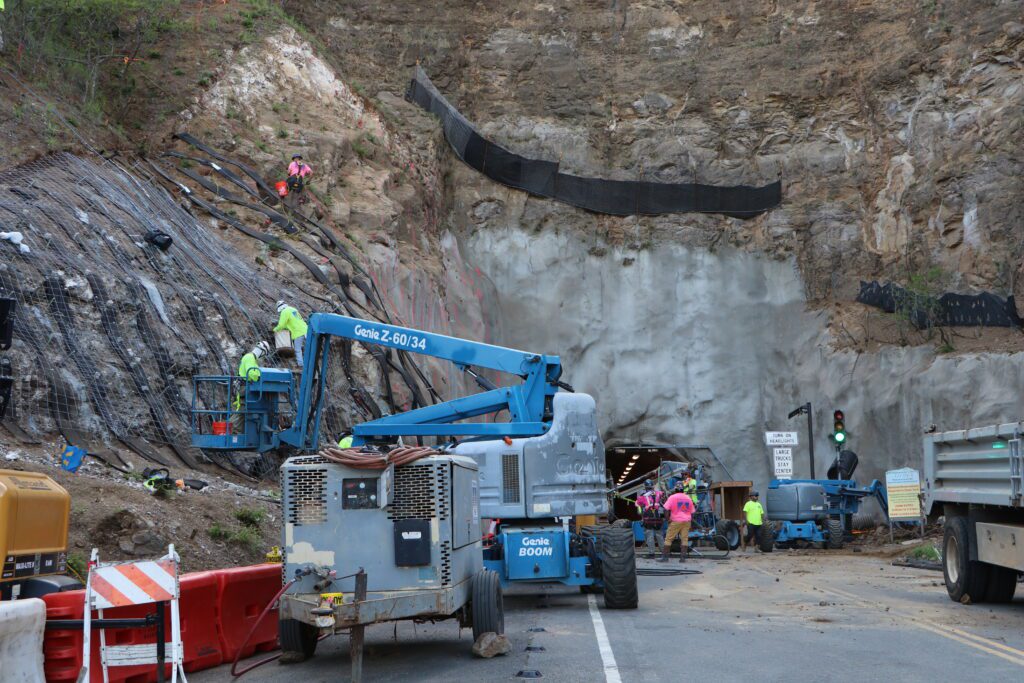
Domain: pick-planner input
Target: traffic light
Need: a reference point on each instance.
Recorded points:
(838, 427)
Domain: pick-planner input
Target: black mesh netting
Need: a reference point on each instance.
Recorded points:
(614, 197)
(948, 310)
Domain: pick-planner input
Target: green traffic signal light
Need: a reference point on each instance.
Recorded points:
(838, 427)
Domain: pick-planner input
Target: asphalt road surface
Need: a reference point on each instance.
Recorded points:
(788, 616)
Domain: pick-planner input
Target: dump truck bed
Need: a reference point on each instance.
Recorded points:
(981, 466)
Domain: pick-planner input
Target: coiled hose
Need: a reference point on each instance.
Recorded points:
(359, 459)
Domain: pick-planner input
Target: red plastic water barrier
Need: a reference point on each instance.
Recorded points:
(244, 592)
(199, 620)
(217, 610)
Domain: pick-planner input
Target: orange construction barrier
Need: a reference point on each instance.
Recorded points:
(199, 620)
(244, 592)
(217, 611)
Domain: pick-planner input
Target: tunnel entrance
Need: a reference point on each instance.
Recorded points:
(628, 465)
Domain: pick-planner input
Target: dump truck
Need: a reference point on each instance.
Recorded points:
(973, 478)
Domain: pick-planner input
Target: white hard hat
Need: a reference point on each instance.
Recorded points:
(261, 349)
(280, 306)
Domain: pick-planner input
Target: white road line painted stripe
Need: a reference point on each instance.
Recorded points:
(611, 669)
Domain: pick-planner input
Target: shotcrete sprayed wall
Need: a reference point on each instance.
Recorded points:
(687, 345)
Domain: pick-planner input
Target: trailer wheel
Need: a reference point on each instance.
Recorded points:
(488, 606)
(618, 568)
(766, 537)
(835, 533)
(1002, 584)
(298, 640)
(966, 579)
(731, 531)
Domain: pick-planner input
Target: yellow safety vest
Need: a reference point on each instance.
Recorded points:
(291, 320)
(249, 370)
(346, 442)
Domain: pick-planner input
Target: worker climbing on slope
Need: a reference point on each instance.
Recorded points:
(249, 371)
(648, 503)
(298, 171)
(753, 514)
(680, 510)
(690, 487)
(289, 319)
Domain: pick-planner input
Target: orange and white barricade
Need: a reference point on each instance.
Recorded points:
(120, 584)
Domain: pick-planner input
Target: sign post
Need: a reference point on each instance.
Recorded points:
(903, 490)
(806, 409)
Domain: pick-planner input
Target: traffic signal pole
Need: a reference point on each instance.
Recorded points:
(806, 408)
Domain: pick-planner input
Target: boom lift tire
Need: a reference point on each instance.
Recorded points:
(1002, 584)
(488, 606)
(966, 579)
(835, 533)
(766, 537)
(298, 640)
(618, 568)
(731, 531)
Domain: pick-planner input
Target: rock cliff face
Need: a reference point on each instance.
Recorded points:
(896, 129)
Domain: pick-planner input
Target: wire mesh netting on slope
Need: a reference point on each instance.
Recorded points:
(110, 329)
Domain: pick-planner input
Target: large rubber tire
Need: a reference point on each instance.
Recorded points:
(835, 534)
(618, 568)
(297, 639)
(731, 531)
(766, 537)
(966, 579)
(1002, 584)
(488, 605)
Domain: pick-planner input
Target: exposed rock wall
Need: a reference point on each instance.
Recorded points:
(685, 345)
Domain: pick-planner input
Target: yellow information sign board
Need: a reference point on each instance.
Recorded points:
(903, 488)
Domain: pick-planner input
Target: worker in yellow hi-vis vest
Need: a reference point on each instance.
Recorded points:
(248, 370)
(291, 320)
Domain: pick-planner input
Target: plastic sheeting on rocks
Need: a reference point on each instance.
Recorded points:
(948, 310)
(615, 197)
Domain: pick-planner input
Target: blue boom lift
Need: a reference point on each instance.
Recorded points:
(814, 511)
(537, 471)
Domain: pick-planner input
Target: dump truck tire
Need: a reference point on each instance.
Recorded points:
(766, 537)
(966, 579)
(488, 605)
(297, 639)
(618, 568)
(1002, 584)
(731, 531)
(835, 533)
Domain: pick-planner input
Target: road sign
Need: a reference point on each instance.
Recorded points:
(783, 463)
(903, 488)
(780, 438)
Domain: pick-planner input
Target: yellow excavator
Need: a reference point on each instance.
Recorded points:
(34, 513)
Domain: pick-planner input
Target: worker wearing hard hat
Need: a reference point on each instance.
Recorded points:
(690, 487)
(648, 504)
(680, 510)
(298, 171)
(753, 514)
(249, 371)
(289, 319)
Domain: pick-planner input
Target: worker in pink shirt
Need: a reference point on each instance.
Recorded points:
(680, 511)
(298, 171)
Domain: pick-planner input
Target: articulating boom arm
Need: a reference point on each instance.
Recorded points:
(528, 403)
